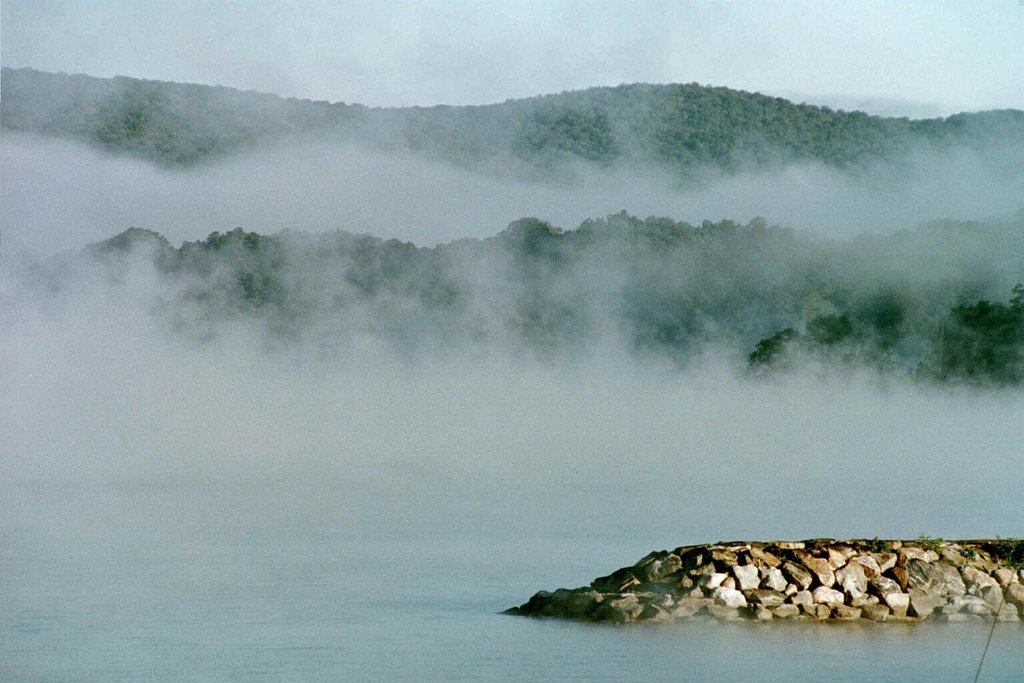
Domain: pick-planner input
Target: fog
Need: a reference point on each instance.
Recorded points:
(61, 195)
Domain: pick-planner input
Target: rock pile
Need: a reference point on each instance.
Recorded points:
(820, 579)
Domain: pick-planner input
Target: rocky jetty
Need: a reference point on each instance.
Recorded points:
(816, 580)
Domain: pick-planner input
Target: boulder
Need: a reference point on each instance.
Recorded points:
(899, 603)
(798, 575)
(730, 597)
(660, 568)
(1005, 576)
(763, 558)
(935, 577)
(824, 595)
(863, 601)
(820, 568)
(747, 577)
(1008, 614)
(901, 576)
(688, 607)
(975, 580)
(836, 558)
(845, 612)
(886, 561)
(803, 599)
(993, 596)
(711, 581)
(1015, 595)
(725, 613)
(620, 610)
(868, 565)
(876, 612)
(852, 579)
(771, 577)
(908, 553)
(786, 611)
(924, 603)
(762, 613)
(765, 597)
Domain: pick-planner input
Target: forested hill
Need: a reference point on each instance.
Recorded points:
(683, 127)
(943, 302)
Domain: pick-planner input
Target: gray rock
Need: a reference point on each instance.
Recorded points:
(660, 568)
(876, 612)
(771, 577)
(730, 597)
(852, 579)
(820, 567)
(845, 612)
(1015, 595)
(886, 561)
(688, 607)
(975, 580)
(725, 613)
(747, 577)
(766, 597)
(786, 611)
(798, 575)
(1005, 576)
(935, 578)
(868, 565)
(882, 585)
(711, 581)
(803, 599)
(762, 613)
(924, 603)
(1008, 614)
(899, 603)
(993, 596)
(620, 610)
(824, 595)
(863, 601)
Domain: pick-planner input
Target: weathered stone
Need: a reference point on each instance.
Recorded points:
(652, 612)
(951, 555)
(908, 553)
(790, 545)
(822, 612)
(1008, 613)
(711, 581)
(975, 580)
(747, 577)
(724, 613)
(581, 603)
(901, 576)
(660, 568)
(1004, 576)
(786, 611)
(769, 598)
(961, 618)
(845, 612)
(730, 582)
(868, 565)
(993, 596)
(803, 599)
(876, 612)
(702, 570)
(824, 595)
(763, 558)
(971, 604)
(762, 613)
(798, 575)
(772, 578)
(880, 585)
(820, 567)
(688, 607)
(836, 558)
(726, 557)
(620, 610)
(935, 577)
(852, 579)
(730, 597)
(863, 601)
(923, 603)
(899, 603)
(1015, 595)
(886, 561)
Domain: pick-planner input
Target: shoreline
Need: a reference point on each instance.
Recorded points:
(822, 579)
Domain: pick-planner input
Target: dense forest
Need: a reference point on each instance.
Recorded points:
(681, 127)
(941, 302)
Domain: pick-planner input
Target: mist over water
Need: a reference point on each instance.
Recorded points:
(61, 195)
(241, 508)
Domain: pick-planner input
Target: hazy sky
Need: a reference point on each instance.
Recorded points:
(914, 58)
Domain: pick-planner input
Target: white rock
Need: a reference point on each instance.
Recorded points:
(730, 597)
(712, 580)
(827, 596)
(774, 579)
(747, 577)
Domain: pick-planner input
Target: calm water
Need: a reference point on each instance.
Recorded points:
(276, 580)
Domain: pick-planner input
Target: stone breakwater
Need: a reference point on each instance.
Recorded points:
(817, 580)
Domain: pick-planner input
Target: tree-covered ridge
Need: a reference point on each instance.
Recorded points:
(941, 302)
(683, 127)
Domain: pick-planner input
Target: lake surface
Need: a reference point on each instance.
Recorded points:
(280, 580)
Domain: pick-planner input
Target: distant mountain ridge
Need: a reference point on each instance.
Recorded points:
(681, 126)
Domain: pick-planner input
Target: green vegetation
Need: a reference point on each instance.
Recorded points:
(683, 127)
(914, 304)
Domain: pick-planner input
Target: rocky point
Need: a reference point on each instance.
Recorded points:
(815, 580)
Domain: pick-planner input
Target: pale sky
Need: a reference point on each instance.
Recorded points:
(913, 58)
